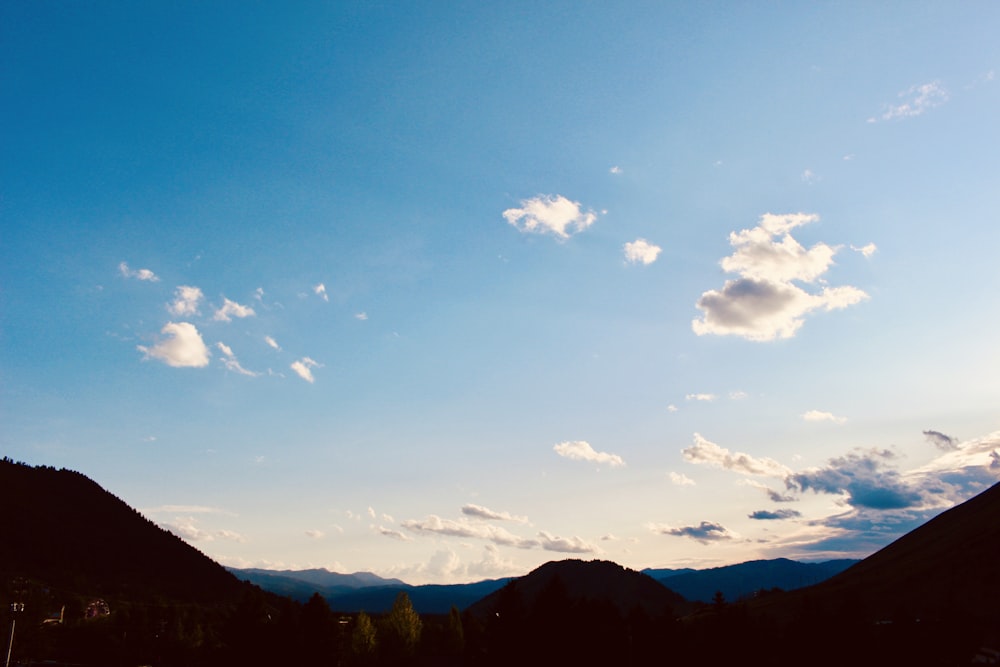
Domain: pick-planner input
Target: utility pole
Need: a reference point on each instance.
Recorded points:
(15, 608)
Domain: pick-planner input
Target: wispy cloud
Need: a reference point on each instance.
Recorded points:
(550, 214)
(186, 301)
(945, 443)
(580, 450)
(394, 534)
(680, 479)
(706, 398)
(704, 532)
(315, 534)
(866, 250)
(914, 101)
(188, 529)
(231, 362)
(320, 291)
(231, 309)
(138, 274)
(272, 343)
(705, 452)
(615, 170)
(362, 316)
(820, 416)
(303, 368)
(480, 512)
(641, 251)
(495, 534)
(764, 303)
(183, 347)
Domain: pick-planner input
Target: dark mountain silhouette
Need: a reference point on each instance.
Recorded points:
(594, 580)
(946, 568)
(62, 529)
(745, 579)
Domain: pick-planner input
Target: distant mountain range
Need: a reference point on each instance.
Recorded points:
(364, 591)
(928, 598)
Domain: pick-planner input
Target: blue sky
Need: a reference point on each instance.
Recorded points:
(445, 291)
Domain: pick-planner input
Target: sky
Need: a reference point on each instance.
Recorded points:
(444, 291)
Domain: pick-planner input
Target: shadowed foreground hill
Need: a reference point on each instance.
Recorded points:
(947, 568)
(61, 528)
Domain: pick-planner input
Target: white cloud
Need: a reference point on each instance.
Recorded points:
(763, 303)
(706, 398)
(320, 291)
(820, 416)
(915, 101)
(641, 251)
(231, 309)
(680, 479)
(315, 534)
(759, 255)
(481, 512)
(186, 301)
(362, 316)
(550, 214)
(708, 453)
(303, 368)
(184, 347)
(672, 408)
(580, 450)
(272, 343)
(230, 361)
(140, 274)
(866, 250)
(615, 170)
(737, 395)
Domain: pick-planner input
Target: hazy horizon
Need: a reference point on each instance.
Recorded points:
(444, 291)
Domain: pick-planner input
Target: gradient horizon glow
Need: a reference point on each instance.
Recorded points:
(444, 291)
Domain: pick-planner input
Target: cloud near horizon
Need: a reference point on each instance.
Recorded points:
(183, 347)
(764, 303)
(705, 532)
(705, 452)
(772, 515)
(580, 450)
(550, 214)
(480, 512)
(820, 416)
